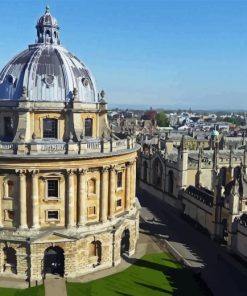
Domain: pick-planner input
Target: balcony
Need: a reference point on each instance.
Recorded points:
(57, 147)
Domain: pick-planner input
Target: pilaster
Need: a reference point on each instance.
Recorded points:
(71, 198)
(23, 199)
(104, 194)
(35, 199)
(82, 197)
(1, 201)
(112, 192)
(133, 182)
(127, 186)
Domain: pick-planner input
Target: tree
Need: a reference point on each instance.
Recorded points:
(162, 119)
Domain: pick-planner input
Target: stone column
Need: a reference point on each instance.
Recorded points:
(127, 186)
(82, 204)
(1, 200)
(104, 194)
(23, 200)
(71, 199)
(35, 200)
(112, 192)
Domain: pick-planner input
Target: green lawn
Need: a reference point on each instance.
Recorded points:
(35, 291)
(155, 274)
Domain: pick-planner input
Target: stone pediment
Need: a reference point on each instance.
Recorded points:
(53, 237)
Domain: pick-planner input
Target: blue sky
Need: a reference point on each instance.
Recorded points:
(152, 52)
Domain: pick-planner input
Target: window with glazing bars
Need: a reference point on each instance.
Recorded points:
(119, 179)
(52, 188)
(50, 128)
(88, 127)
(52, 215)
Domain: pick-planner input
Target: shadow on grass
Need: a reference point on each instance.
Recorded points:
(122, 293)
(169, 260)
(154, 288)
(183, 281)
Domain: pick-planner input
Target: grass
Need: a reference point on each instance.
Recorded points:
(155, 274)
(35, 291)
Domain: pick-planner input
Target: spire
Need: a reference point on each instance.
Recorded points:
(47, 28)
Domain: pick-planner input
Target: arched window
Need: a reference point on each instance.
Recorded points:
(50, 128)
(48, 33)
(170, 182)
(88, 127)
(95, 249)
(91, 184)
(157, 172)
(223, 176)
(55, 34)
(125, 242)
(10, 261)
(145, 171)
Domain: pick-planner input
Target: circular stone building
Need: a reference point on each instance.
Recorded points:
(67, 183)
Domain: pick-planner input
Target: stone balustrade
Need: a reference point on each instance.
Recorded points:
(86, 146)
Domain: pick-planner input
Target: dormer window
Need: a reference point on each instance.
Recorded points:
(50, 128)
(11, 79)
(48, 33)
(49, 79)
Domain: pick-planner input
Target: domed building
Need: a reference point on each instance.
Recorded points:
(67, 183)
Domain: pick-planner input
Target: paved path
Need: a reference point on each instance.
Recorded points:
(204, 254)
(55, 286)
(151, 221)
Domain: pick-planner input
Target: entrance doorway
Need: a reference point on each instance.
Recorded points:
(54, 261)
(125, 242)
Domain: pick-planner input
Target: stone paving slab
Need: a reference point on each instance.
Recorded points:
(55, 286)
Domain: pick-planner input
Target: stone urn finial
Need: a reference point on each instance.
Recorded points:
(24, 92)
(102, 94)
(34, 137)
(75, 93)
(71, 137)
(22, 137)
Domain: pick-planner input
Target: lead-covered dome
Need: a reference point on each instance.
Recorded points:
(47, 70)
